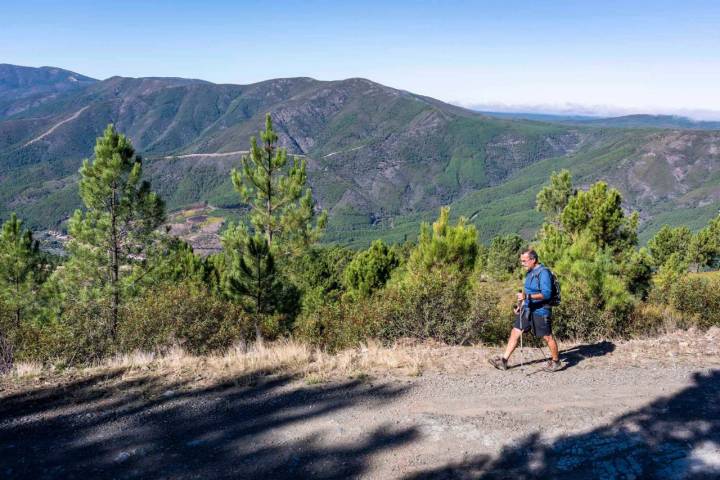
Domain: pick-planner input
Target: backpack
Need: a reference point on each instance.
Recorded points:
(555, 297)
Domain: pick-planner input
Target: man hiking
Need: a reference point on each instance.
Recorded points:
(536, 299)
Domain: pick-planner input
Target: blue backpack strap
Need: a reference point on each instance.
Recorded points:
(537, 277)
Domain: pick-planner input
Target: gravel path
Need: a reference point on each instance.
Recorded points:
(605, 416)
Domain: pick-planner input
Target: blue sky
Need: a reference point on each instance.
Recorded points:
(580, 56)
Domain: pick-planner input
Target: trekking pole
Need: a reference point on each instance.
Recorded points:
(521, 308)
(522, 352)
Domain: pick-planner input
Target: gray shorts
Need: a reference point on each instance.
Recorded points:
(540, 326)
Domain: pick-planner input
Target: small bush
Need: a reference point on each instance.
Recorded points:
(343, 324)
(184, 314)
(370, 269)
(577, 318)
(434, 305)
(491, 308)
(650, 319)
(697, 298)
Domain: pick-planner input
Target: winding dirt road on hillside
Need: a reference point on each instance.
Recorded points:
(56, 126)
(618, 410)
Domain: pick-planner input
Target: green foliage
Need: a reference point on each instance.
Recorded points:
(668, 241)
(116, 229)
(281, 225)
(318, 274)
(697, 298)
(552, 244)
(598, 211)
(672, 269)
(251, 276)
(370, 269)
(704, 249)
(342, 324)
(503, 254)
(183, 313)
(280, 210)
(434, 305)
(445, 246)
(171, 260)
(636, 269)
(553, 199)
(591, 274)
(22, 272)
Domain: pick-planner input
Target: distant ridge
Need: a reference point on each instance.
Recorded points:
(625, 121)
(22, 88)
(380, 160)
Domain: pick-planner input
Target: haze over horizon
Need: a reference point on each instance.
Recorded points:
(593, 58)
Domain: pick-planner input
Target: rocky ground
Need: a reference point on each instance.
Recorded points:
(638, 409)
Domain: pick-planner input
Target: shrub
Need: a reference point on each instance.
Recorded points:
(184, 314)
(697, 297)
(370, 269)
(491, 317)
(343, 324)
(668, 241)
(445, 246)
(78, 335)
(578, 318)
(651, 319)
(503, 254)
(434, 305)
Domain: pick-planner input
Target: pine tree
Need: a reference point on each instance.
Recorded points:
(503, 254)
(599, 212)
(120, 219)
(21, 268)
(370, 269)
(253, 279)
(281, 213)
(667, 241)
(445, 246)
(552, 199)
(704, 248)
(280, 210)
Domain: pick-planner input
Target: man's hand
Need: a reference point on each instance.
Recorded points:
(520, 297)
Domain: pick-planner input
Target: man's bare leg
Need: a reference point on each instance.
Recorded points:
(512, 342)
(552, 345)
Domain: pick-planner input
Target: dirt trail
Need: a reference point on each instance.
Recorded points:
(55, 127)
(633, 410)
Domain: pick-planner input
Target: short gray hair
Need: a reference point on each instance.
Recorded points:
(530, 253)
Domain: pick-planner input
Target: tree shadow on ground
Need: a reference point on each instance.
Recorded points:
(108, 426)
(674, 437)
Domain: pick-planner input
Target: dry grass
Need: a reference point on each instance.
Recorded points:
(404, 358)
(285, 356)
(26, 369)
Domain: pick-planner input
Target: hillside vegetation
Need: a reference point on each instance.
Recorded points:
(380, 160)
(128, 285)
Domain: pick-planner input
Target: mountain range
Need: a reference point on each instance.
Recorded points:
(380, 160)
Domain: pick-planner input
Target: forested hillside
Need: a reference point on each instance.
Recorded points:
(379, 159)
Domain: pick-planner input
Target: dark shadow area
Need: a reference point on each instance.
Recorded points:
(571, 356)
(110, 427)
(674, 437)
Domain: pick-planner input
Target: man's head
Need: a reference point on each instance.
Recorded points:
(529, 259)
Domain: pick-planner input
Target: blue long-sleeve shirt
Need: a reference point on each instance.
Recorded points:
(538, 281)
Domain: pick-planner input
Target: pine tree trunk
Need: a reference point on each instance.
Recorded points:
(258, 306)
(258, 333)
(115, 273)
(17, 298)
(269, 198)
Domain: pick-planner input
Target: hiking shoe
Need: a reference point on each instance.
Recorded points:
(553, 366)
(498, 362)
